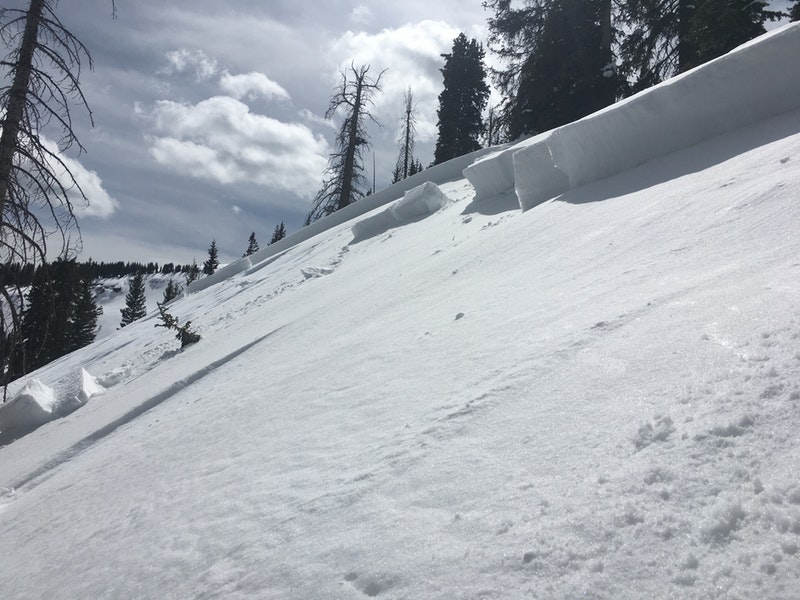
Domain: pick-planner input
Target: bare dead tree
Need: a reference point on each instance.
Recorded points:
(405, 160)
(344, 181)
(37, 188)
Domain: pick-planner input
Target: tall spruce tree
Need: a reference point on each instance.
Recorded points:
(344, 180)
(85, 313)
(462, 100)
(278, 234)
(135, 300)
(212, 262)
(252, 245)
(558, 59)
(794, 12)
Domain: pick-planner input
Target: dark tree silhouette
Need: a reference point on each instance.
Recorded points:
(252, 245)
(135, 307)
(462, 101)
(41, 76)
(405, 159)
(212, 262)
(344, 181)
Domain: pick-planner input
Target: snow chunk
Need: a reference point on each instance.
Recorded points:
(32, 407)
(421, 201)
(90, 386)
(417, 203)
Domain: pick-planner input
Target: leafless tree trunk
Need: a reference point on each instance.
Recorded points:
(37, 188)
(344, 182)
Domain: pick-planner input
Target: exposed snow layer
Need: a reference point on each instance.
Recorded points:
(597, 398)
(754, 82)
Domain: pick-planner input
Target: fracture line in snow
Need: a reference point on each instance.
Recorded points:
(66, 455)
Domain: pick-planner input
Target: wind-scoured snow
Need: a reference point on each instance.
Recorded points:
(597, 397)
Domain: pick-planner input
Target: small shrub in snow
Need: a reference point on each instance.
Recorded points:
(185, 334)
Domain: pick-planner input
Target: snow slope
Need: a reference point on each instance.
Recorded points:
(597, 397)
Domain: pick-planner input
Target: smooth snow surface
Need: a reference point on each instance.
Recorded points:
(598, 397)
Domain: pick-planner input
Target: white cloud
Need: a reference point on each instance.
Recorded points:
(412, 56)
(252, 85)
(361, 14)
(220, 139)
(195, 62)
(97, 202)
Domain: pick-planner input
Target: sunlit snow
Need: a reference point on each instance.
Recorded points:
(597, 397)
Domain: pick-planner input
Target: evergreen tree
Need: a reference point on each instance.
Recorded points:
(405, 159)
(84, 316)
(278, 234)
(794, 13)
(60, 315)
(672, 36)
(192, 272)
(560, 65)
(172, 291)
(462, 101)
(252, 245)
(211, 264)
(134, 301)
(344, 177)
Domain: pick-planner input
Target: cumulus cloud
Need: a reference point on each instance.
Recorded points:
(98, 202)
(194, 62)
(252, 85)
(220, 139)
(412, 56)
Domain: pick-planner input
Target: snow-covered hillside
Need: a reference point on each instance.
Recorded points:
(448, 397)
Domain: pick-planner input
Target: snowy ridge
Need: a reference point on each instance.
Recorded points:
(730, 92)
(598, 398)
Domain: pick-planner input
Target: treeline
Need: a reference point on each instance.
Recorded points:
(59, 315)
(23, 275)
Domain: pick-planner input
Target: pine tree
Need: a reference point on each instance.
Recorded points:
(60, 315)
(134, 301)
(462, 101)
(252, 245)
(278, 234)
(560, 65)
(344, 177)
(172, 291)
(84, 316)
(211, 264)
(192, 273)
(668, 37)
(794, 13)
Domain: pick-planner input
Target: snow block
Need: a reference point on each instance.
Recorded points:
(421, 201)
(34, 405)
(416, 203)
(756, 81)
(537, 178)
